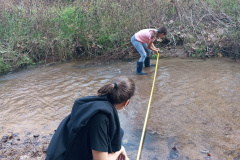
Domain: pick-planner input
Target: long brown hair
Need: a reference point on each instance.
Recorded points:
(119, 90)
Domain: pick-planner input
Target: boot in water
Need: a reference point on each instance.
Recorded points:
(147, 62)
(139, 68)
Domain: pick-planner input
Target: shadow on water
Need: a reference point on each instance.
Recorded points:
(151, 148)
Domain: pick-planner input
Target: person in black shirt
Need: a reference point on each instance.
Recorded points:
(92, 131)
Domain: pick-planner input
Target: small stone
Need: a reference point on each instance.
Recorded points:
(36, 135)
(44, 149)
(228, 128)
(15, 134)
(10, 137)
(4, 139)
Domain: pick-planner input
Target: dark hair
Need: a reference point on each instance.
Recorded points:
(119, 90)
(162, 30)
(159, 31)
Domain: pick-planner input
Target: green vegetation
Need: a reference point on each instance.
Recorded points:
(154, 56)
(48, 31)
(200, 52)
(3, 67)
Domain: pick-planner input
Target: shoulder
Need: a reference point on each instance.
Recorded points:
(99, 117)
(148, 30)
(144, 30)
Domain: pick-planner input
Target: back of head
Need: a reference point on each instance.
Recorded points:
(162, 30)
(119, 90)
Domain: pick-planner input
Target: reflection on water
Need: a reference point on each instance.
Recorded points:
(195, 105)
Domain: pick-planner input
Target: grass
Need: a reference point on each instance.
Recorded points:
(42, 31)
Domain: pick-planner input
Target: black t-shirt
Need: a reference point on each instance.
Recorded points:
(94, 136)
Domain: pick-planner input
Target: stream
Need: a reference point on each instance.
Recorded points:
(195, 109)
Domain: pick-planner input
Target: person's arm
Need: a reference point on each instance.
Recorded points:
(152, 47)
(119, 155)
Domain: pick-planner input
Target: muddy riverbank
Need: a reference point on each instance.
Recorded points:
(195, 107)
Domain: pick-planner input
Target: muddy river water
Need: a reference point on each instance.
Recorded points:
(195, 105)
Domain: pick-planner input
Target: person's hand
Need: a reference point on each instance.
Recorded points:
(123, 155)
(156, 50)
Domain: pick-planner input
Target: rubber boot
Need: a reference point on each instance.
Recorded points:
(139, 68)
(147, 62)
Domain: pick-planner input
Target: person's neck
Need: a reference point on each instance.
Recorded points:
(118, 106)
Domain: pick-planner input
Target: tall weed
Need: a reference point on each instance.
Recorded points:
(49, 30)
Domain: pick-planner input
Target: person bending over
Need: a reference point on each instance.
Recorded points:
(143, 42)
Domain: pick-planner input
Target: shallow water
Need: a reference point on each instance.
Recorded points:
(195, 105)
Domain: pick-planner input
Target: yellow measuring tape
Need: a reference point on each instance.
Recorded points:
(147, 114)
